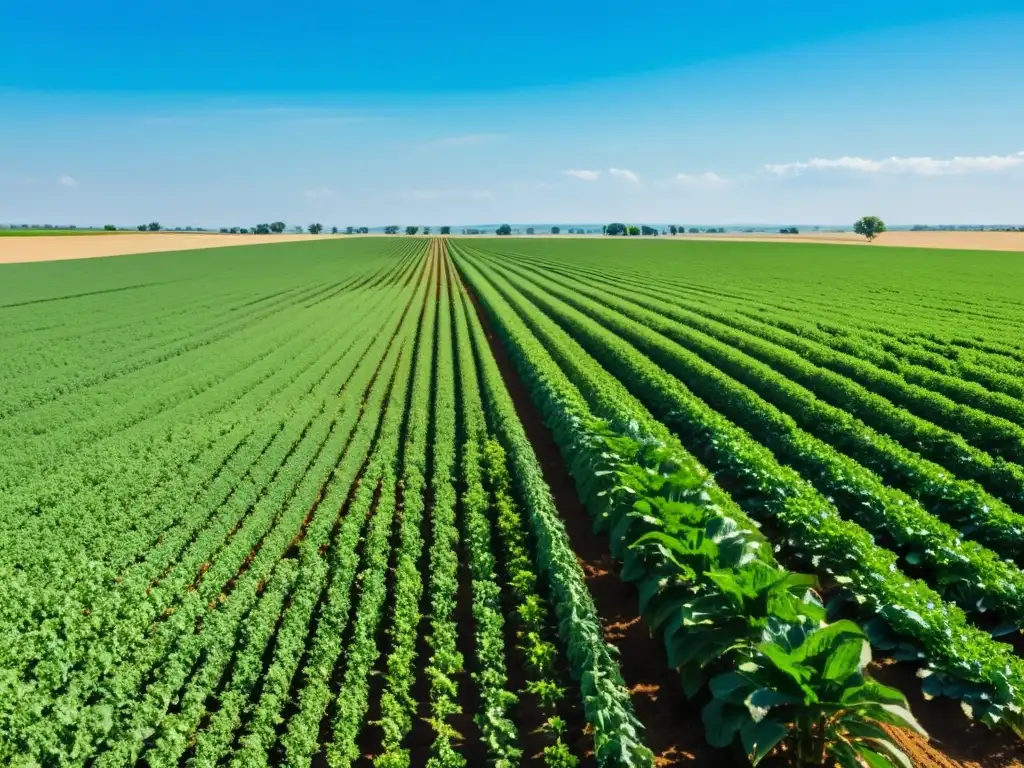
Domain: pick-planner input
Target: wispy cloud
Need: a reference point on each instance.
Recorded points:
(706, 180)
(622, 173)
(468, 140)
(583, 175)
(424, 195)
(67, 181)
(921, 166)
(319, 193)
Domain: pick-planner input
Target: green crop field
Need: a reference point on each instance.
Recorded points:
(506, 501)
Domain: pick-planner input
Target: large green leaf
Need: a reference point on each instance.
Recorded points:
(721, 722)
(761, 738)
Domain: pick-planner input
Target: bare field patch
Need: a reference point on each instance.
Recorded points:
(15, 250)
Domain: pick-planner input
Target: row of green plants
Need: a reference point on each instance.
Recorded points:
(963, 662)
(164, 487)
(974, 446)
(616, 732)
(963, 503)
(970, 575)
(988, 390)
(774, 347)
(398, 706)
(660, 509)
(498, 731)
(306, 520)
(446, 664)
(532, 615)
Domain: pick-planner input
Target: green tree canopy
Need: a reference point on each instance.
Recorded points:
(869, 226)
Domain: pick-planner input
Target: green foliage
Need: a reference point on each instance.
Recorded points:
(504, 229)
(869, 226)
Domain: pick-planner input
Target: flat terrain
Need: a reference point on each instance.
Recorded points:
(342, 500)
(45, 247)
(969, 241)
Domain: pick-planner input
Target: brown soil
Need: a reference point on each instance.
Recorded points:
(14, 250)
(673, 726)
(955, 741)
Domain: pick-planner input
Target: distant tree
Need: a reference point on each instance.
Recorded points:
(277, 227)
(426, 230)
(349, 230)
(391, 229)
(504, 229)
(154, 226)
(694, 231)
(446, 230)
(262, 229)
(243, 231)
(869, 226)
(364, 230)
(632, 230)
(555, 230)
(614, 229)
(109, 228)
(672, 229)
(298, 229)
(647, 231)
(142, 227)
(411, 230)
(315, 229)
(223, 230)
(529, 230)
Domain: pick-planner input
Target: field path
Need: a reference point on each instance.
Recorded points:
(14, 250)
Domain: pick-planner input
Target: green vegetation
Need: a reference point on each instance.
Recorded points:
(276, 505)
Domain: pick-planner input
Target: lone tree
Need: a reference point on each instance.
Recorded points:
(426, 230)
(672, 229)
(277, 227)
(504, 229)
(869, 226)
(154, 226)
(615, 229)
(411, 230)
(555, 230)
(446, 230)
(315, 229)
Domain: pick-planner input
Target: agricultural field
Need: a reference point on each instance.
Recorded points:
(445, 502)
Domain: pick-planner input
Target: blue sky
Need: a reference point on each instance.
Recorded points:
(715, 113)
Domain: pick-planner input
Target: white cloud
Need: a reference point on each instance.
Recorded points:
(706, 180)
(320, 193)
(583, 175)
(622, 173)
(67, 181)
(921, 166)
(468, 140)
(447, 194)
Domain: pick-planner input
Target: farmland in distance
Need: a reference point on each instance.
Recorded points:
(376, 501)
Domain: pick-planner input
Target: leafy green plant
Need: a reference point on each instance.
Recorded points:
(812, 699)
